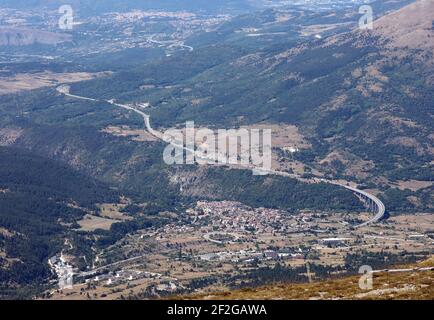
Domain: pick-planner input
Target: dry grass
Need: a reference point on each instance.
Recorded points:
(113, 211)
(413, 185)
(139, 135)
(92, 223)
(30, 81)
(318, 28)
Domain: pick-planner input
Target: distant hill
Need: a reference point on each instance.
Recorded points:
(89, 7)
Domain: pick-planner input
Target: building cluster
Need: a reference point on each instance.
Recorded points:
(252, 255)
(231, 216)
(127, 275)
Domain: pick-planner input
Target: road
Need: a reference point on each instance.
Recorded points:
(404, 270)
(379, 205)
(372, 200)
(170, 43)
(114, 264)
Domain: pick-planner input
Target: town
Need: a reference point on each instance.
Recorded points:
(216, 242)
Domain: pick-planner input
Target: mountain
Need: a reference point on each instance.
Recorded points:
(363, 98)
(355, 105)
(90, 7)
(409, 27)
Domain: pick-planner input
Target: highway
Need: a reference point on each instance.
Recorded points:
(376, 203)
(371, 200)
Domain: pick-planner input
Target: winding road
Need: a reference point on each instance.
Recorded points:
(371, 201)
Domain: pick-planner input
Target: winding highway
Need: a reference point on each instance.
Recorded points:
(373, 202)
(370, 200)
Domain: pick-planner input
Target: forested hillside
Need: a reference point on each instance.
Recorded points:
(40, 200)
(359, 96)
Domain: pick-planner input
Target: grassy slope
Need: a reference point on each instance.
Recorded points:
(399, 285)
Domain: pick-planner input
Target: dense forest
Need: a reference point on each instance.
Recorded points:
(276, 191)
